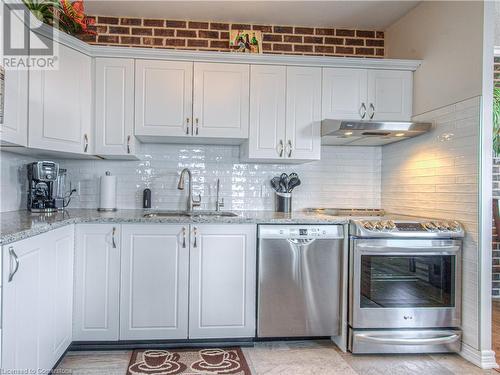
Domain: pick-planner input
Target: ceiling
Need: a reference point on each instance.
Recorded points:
(374, 15)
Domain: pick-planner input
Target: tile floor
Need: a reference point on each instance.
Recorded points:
(495, 327)
(293, 358)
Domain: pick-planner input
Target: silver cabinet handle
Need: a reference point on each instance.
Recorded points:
(86, 142)
(194, 235)
(128, 144)
(113, 243)
(362, 111)
(372, 107)
(183, 237)
(197, 121)
(187, 126)
(13, 255)
(290, 148)
(280, 148)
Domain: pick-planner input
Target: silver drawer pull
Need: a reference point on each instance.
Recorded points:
(187, 126)
(113, 238)
(410, 341)
(194, 235)
(86, 142)
(362, 111)
(128, 144)
(372, 107)
(13, 255)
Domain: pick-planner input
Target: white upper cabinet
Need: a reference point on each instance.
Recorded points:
(222, 281)
(14, 129)
(97, 282)
(267, 112)
(221, 100)
(154, 282)
(390, 95)
(114, 108)
(303, 113)
(163, 98)
(285, 114)
(344, 93)
(60, 107)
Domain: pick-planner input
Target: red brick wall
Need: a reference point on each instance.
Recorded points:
(214, 36)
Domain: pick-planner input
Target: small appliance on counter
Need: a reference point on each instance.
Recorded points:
(107, 201)
(42, 186)
(47, 187)
(405, 286)
(283, 185)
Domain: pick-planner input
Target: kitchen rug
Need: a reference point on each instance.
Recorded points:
(188, 361)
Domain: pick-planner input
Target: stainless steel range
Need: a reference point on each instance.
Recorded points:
(404, 286)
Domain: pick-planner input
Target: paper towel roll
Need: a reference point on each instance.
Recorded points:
(108, 193)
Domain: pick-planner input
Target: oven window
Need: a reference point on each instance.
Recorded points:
(407, 281)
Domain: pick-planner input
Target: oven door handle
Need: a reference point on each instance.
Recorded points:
(420, 251)
(407, 341)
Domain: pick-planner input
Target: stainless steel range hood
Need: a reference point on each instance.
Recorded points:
(369, 133)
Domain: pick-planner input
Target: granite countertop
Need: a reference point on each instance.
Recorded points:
(18, 225)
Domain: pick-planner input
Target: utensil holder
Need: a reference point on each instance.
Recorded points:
(284, 202)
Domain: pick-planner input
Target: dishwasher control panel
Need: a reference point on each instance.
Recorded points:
(301, 231)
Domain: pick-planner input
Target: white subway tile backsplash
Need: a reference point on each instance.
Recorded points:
(345, 177)
(436, 175)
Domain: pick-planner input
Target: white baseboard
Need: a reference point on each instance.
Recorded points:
(484, 359)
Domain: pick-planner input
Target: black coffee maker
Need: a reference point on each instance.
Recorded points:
(42, 186)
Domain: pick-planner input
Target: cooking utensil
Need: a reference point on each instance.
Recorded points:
(294, 182)
(285, 180)
(275, 183)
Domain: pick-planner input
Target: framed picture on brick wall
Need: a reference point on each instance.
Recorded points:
(246, 41)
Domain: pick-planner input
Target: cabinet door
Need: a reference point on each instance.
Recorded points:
(97, 282)
(303, 113)
(114, 107)
(266, 137)
(344, 94)
(390, 94)
(154, 282)
(56, 284)
(163, 98)
(21, 304)
(60, 105)
(14, 129)
(222, 281)
(221, 100)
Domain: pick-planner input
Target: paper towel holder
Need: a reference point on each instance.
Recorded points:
(106, 209)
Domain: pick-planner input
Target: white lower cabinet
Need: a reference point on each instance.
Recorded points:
(154, 282)
(222, 281)
(97, 282)
(37, 300)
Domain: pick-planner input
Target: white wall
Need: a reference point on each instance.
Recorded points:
(450, 166)
(436, 175)
(345, 177)
(447, 36)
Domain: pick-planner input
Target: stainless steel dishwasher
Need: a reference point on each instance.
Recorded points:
(299, 280)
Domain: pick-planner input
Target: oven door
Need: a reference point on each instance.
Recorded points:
(404, 283)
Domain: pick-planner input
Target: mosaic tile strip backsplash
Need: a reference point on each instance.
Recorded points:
(345, 177)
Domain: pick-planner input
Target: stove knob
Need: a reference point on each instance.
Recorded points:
(378, 225)
(455, 226)
(367, 225)
(390, 225)
(438, 225)
(430, 226)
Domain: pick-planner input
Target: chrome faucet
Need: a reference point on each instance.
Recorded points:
(219, 202)
(190, 201)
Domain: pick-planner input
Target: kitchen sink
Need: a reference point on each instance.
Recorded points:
(167, 214)
(214, 213)
(190, 214)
